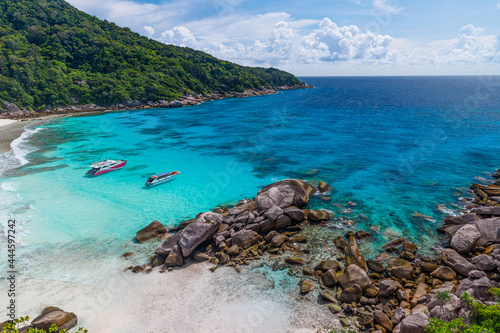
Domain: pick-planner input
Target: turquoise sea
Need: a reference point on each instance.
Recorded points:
(392, 145)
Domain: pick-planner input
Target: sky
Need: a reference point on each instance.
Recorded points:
(329, 37)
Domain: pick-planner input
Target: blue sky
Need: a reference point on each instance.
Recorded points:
(335, 37)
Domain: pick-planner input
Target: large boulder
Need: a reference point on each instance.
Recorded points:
(63, 320)
(153, 229)
(168, 244)
(464, 239)
(323, 187)
(353, 256)
(281, 196)
(319, 215)
(302, 191)
(245, 238)
(295, 214)
(476, 288)
(414, 323)
(387, 288)
(485, 262)
(174, 258)
(198, 231)
(444, 273)
(353, 274)
(457, 262)
(351, 294)
(488, 228)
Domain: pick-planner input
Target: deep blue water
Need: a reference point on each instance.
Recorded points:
(392, 145)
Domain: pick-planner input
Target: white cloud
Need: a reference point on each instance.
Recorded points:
(149, 30)
(391, 6)
(180, 36)
(470, 29)
(498, 5)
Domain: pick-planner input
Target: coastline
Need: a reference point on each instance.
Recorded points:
(188, 100)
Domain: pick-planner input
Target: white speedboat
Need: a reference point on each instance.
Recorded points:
(161, 178)
(101, 167)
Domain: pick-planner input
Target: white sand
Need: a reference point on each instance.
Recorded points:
(191, 300)
(4, 122)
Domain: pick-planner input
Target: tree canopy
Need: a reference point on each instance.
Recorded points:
(53, 54)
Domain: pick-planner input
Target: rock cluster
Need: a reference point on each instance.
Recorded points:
(236, 236)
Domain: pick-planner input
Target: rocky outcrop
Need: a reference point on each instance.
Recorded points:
(302, 191)
(53, 315)
(152, 230)
(464, 238)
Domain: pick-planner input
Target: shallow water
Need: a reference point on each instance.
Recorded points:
(391, 145)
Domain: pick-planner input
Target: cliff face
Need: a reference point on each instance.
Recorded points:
(51, 54)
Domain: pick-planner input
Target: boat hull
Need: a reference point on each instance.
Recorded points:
(113, 168)
(159, 181)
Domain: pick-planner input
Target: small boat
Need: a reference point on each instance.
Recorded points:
(101, 167)
(161, 178)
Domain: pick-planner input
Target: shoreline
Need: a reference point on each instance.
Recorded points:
(187, 100)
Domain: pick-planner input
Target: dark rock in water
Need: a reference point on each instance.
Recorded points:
(307, 286)
(63, 320)
(351, 294)
(464, 239)
(174, 257)
(168, 244)
(299, 239)
(362, 235)
(353, 274)
(329, 278)
(375, 266)
(150, 232)
(127, 255)
(319, 215)
(324, 187)
(157, 260)
(353, 256)
(301, 189)
(394, 262)
(198, 231)
(295, 214)
(457, 262)
(181, 225)
(294, 261)
(410, 247)
(245, 238)
(307, 271)
(340, 243)
(395, 242)
(382, 320)
(387, 288)
(444, 273)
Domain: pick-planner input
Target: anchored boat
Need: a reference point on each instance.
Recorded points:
(100, 167)
(161, 178)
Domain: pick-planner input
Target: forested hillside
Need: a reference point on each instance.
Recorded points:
(53, 54)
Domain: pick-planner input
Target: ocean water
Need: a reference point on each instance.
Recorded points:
(392, 145)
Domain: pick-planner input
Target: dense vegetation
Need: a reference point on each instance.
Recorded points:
(53, 54)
